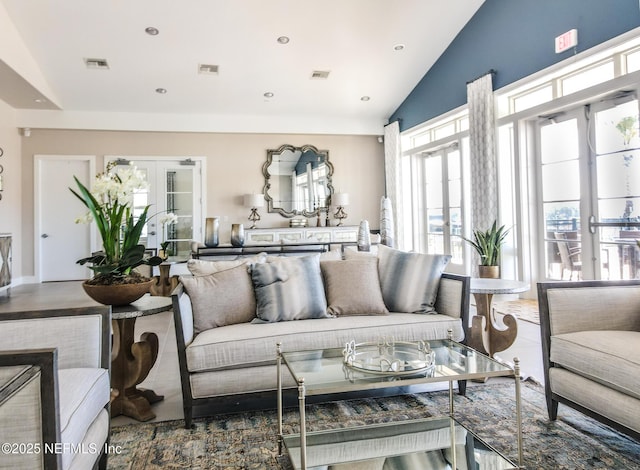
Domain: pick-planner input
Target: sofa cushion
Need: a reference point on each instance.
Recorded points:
(222, 298)
(199, 267)
(289, 288)
(409, 281)
(353, 287)
(611, 358)
(249, 344)
(83, 394)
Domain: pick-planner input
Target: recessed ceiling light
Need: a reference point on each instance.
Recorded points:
(365, 98)
(398, 47)
(283, 39)
(151, 31)
(162, 91)
(268, 95)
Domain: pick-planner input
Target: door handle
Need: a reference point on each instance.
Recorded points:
(152, 233)
(44, 235)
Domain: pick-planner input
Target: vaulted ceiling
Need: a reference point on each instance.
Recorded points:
(373, 52)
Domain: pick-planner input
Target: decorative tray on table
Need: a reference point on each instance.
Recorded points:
(389, 357)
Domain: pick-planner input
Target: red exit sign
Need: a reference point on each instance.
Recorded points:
(567, 41)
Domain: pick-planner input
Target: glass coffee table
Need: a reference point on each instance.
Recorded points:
(328, 371)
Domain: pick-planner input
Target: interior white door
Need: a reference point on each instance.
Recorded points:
(59, 241)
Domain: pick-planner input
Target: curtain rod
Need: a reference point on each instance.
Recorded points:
(491, 71)
(398, 120)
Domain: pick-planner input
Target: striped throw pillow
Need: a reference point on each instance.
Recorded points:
(289, 288)
(409, 281)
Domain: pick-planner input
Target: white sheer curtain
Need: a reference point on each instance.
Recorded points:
(393, 178)
(484, 174)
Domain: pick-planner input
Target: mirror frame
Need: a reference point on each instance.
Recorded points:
(267, 180)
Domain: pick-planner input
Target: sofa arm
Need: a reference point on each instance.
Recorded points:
(81, 335)
(567, 307)
(183, 316)
(29, 414)
(453, 298)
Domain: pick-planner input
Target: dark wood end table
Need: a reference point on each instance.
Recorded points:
(131, 361)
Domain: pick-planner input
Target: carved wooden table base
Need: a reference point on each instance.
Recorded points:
(131, 361)
(485, 335)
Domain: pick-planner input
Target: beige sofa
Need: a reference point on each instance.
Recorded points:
(591, 349)
(239, 358)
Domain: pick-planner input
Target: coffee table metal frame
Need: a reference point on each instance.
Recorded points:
(492, 368)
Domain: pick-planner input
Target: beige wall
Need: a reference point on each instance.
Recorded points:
(10, 205)
(234, 167)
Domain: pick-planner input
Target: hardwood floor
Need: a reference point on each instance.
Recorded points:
(164, 377)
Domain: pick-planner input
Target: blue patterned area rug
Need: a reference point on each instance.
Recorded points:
(248, 440)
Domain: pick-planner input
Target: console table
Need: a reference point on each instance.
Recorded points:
(485, 336)
(131, 361)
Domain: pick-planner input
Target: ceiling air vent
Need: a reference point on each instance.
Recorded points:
(319, 74)
(208, 69)
(96, 63)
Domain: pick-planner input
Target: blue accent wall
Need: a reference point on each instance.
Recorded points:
(515, 38)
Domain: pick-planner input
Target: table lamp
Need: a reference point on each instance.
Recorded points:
(253, 202)
(339, 200)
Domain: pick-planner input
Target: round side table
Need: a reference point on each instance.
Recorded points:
(485, 336)
(131, 361)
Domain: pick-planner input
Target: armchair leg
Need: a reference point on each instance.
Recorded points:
(552, 408)
(188, 417)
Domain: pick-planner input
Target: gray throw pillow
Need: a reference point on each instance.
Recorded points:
(353, 287)
(289, 289)
(222, 298)
(410, 281)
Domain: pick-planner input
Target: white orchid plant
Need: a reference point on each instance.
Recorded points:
(110, 205)
(168, 219)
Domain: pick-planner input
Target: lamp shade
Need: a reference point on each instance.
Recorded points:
(340, 199)
(253, 200)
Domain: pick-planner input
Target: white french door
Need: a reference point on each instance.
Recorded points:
(589, 191)
(174, 186)
(441, 222)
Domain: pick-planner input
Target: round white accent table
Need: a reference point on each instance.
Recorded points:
(485, 336)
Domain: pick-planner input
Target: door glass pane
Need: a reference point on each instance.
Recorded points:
(560, 171)
(455, 206)
(559, 142)
(179, 194)
(618, 189)
(561, 181)
(617, 128)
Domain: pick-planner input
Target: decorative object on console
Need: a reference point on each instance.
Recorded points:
(364, 236)
(110, 205)
(339, 201)
(211, 232)
(253, 202)
(237, 234)
(298, 222)
(386, 222)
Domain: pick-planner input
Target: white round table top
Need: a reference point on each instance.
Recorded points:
(146, 305)
(497, 286)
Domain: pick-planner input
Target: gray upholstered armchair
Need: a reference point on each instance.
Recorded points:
(55, 388)
(591, 349)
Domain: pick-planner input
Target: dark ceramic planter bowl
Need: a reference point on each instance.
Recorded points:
(121, 294)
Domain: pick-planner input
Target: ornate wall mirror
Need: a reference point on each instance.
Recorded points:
(297, 180)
